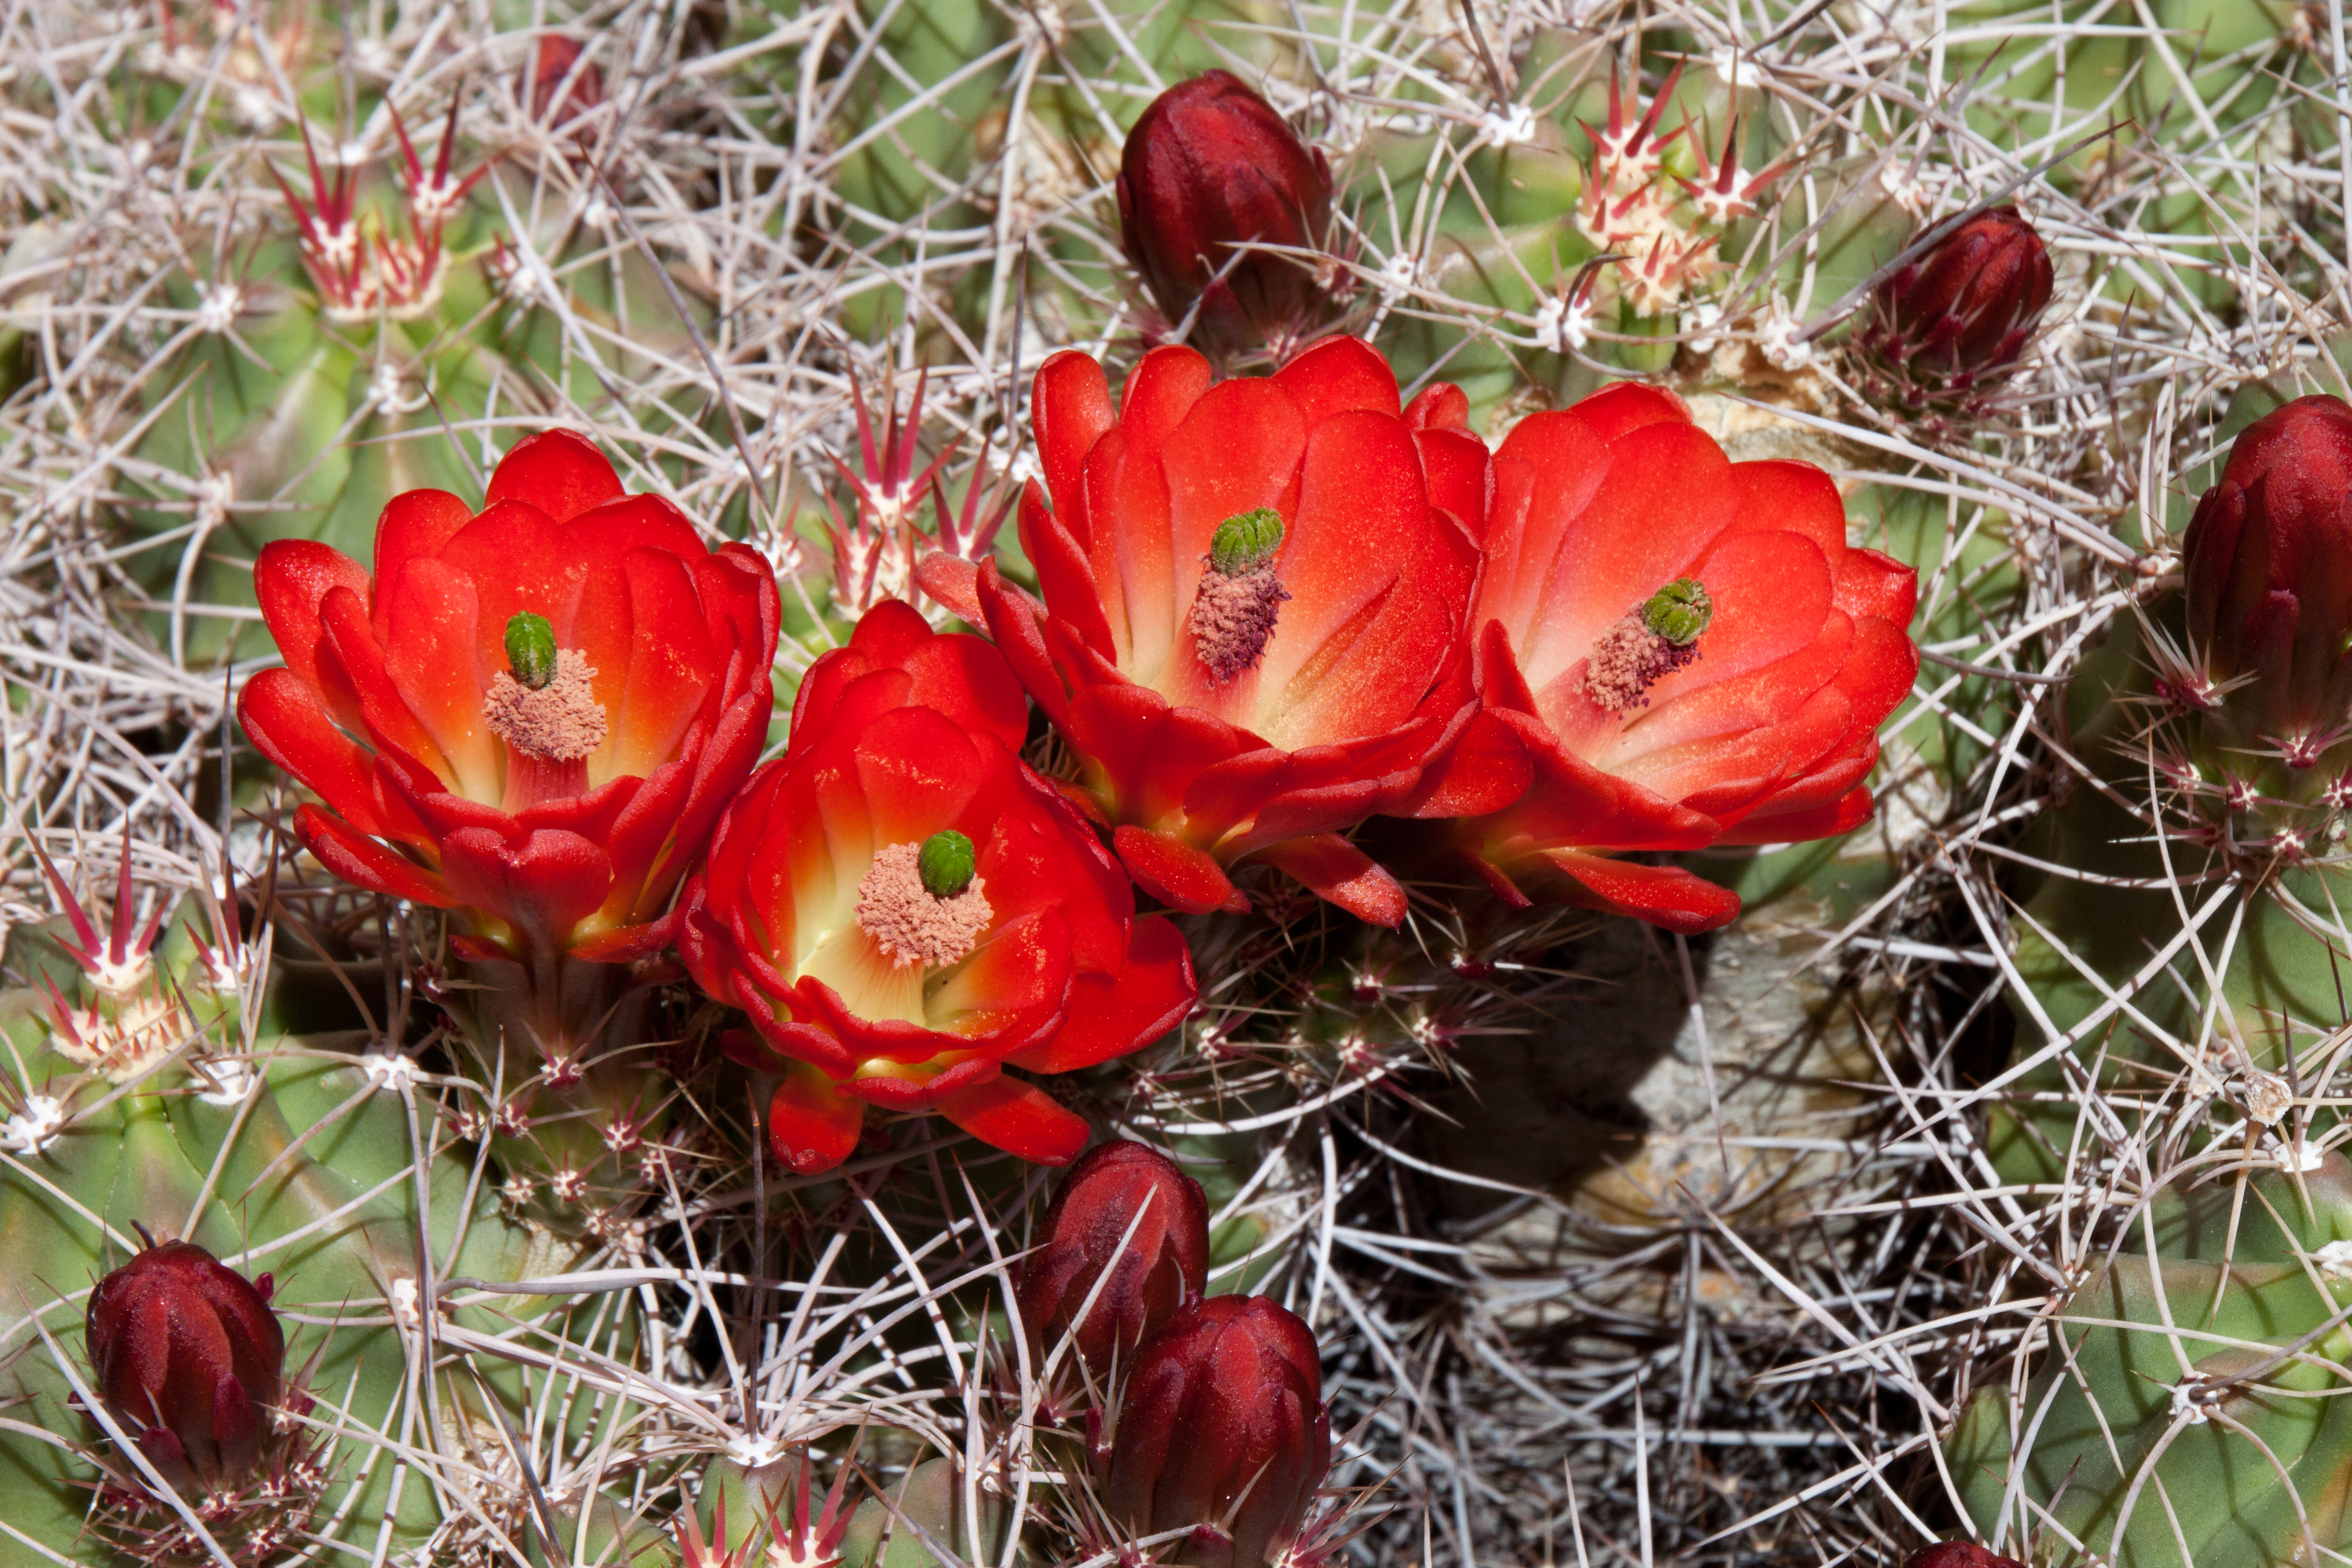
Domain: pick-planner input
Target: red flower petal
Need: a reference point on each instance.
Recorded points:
(413, 524)
(811, 1125)
(432, 653)
(1666, 896)
(1176, 874)
(342, 850)
(1441, 406)
(1332, 868)
(1664, 501)
(1487, 770)
(1018, 1118)
(290, 579)
(1341, 375)
(284, 719)
(1112, 1014)
(1626, 406)
(559, 471)
(1071, 408)
(546, 886)
(672, 666)
(1839, 817)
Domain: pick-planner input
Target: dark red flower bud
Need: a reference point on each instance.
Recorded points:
(1117, 1192)
(187, 1355)
(1210, 165)
(552, 65)
(1222, 1432)
(2268, 558)
(1958, 314)
(1959, 1554)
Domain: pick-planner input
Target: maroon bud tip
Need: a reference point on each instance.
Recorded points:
(1117, 1191)
(1210, 165)
(1959, 314)
(1222, 1429)
(188, 1355)
(1958, 1554)
(551, 65)
(2268, 564)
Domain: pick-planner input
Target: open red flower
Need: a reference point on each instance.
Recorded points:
(1673, 651)
(532, 715)
(906, 910)
(1254, 598)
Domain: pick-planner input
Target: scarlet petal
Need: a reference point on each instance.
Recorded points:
(283, 718)
(1176, 874)
(359, 858)
(558, 471)
(1441, 406)
(1839, 817)
(547, 885)
(291, 578)
(1627, 406)
(1110, 1015)
(1665, 896)
(1488, 770)
(952, 581)
(1072, 408)
(1341, 375)
(1019, 1118)
(813, 1127)
(1337, 870)
(413, 524)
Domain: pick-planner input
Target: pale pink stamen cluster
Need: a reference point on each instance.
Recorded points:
(1232, 619)
(910, 923)
(561, 721)
(1627, 660)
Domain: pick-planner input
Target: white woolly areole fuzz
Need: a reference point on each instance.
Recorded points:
(907, 921)
(561, 721)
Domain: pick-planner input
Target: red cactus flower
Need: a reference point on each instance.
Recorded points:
(1959, 314)
(1210, 167)
(1124, 1245)
(1252, 628)
(532, 715)
(1223, 1431)
(2268, 559)
(906, 910)
(1675, 651)
(188, 1356)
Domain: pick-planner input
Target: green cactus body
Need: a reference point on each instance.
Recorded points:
(2232, 1456)
(295, 1160)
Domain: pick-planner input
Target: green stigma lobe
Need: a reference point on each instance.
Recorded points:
(530, 650)
(1244, 543)
(946, 861)
(1679, 612)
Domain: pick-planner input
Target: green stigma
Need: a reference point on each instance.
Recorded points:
(530, 650)
(946, 862)
(1244, 543)
(1679, 612)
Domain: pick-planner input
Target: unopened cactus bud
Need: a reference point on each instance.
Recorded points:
(1958, 1554)
(188, 1358)
(1211, 166)
(1130, 1230)
(1959, 314)
(1223, 1432)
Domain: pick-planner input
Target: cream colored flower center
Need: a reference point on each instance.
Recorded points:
(560, 721)
(911, 924)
